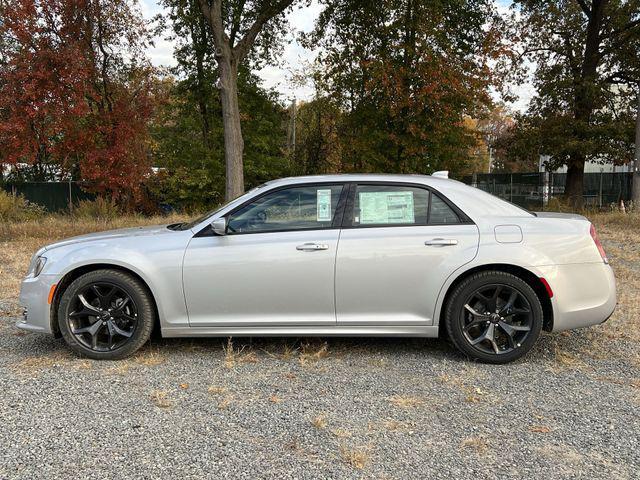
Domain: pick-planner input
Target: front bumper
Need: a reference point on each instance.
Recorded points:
(34, 294)
(583, 294)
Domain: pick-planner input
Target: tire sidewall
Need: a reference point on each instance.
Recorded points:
(466, 289)
(140, 296)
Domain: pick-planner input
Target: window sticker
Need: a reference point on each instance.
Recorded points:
(386, 207)
(323, 205)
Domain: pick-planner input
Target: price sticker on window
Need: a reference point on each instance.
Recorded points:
(386, 207)
(324, 205)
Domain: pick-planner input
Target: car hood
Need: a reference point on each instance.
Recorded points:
(110, 235)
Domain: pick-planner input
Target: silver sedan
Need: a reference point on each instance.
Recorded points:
(342, 255)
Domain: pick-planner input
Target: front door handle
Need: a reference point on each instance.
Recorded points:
(312, 247)
(441, 242)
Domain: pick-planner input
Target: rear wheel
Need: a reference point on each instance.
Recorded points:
(494, 317)
(106, 314)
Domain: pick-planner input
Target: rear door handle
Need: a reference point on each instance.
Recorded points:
(312, 247)
(441, 242)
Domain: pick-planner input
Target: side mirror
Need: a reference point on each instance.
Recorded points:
(219, 226)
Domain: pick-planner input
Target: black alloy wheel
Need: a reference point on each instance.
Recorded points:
(494, 317)
(103, 316)
(106, 314)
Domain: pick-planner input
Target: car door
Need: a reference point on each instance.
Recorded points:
(398, 245)
(275, 265)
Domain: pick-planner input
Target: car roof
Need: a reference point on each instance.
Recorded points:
(364, 177)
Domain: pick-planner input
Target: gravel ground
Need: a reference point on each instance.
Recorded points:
(327, 408)
(381, 408)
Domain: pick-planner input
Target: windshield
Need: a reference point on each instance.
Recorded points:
(202, 218)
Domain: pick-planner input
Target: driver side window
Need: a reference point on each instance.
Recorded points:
(295, 208)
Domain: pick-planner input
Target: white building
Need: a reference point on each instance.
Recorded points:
(589, 167)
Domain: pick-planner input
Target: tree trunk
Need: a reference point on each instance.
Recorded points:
(574, 184)
(233, 142)
(584, 102)
(230, 54)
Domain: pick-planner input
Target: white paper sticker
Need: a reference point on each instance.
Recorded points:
(324, 205)
(386, 207)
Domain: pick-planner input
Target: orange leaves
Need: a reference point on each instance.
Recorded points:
(65, 101)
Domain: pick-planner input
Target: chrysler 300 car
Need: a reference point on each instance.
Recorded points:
(342, 255)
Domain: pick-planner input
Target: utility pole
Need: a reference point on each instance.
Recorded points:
(635, 185)
(292, 126)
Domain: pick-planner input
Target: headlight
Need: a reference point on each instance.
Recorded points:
(38, 265)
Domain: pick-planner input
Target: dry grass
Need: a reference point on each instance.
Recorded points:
(288, 351)
(160, 399)
(357, 457)
(394, 425)
(20, 240)
(149, 357)
(319, 421)
(34, 365)
(224, 402)
(234, 356)
(619, 233)
(55, 227)
(341, 433)
(121, 368)
(539, 429)
(217, 390)
(312, 352)
(406, 401)
(477, 444)
(472, 394)
(566, 360)
(275, 399)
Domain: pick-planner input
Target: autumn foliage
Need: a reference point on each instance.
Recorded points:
(75, 98)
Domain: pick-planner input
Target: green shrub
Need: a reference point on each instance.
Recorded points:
(187, 190)
(98, 209)
(15, 208)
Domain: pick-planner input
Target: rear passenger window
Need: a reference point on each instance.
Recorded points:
(380, 205)
(441, 213)
(390, 205)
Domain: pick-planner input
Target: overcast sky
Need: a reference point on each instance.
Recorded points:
(294, 54)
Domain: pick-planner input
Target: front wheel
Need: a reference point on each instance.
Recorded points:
(106, 315)
(494, 317)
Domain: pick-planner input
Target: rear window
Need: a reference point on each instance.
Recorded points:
(379, 205)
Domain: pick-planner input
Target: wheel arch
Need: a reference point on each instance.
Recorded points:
(77, 272)
(527, 275)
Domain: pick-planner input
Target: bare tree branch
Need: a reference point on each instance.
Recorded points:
(585, 7)
(245, 44)
(627, 77)
(235, 25)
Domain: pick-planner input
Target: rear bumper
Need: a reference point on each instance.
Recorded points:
(34, 293)
(583, 294)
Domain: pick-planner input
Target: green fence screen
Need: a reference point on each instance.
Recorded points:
(53, 196)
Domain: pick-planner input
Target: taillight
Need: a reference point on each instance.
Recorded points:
(596, 240)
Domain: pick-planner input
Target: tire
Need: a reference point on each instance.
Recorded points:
(494, 327)
(106, 315)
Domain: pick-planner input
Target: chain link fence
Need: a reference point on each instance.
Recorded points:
(530, 190)
(534, 190)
